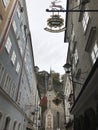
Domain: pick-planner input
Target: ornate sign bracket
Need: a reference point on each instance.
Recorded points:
(55, 23)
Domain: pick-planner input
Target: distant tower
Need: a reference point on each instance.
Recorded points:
(50, 82)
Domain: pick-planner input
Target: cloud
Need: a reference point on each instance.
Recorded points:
(49, 48)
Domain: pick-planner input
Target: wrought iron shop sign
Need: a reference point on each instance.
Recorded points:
(55, 23)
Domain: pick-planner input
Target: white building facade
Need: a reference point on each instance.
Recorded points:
(18, 85)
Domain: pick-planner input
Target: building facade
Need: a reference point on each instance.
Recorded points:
(6, 8)
(81, 34)
(18, 85)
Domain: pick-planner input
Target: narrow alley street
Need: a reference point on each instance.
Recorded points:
(48, 65)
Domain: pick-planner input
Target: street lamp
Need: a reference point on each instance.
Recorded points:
(67, 68)
(68, 71)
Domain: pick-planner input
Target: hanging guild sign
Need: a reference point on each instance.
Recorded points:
(55, 23)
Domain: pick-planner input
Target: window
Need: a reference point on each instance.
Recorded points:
(20, 44)
(7, 123)
(49, 121)
(76, 57)
(94, 52)
(14, 126)
(6, 3)
(8, 45)
(13, 58)
(1, 72)
(7, 83)
(12, 91)
(17, 67)
(14, 26)
(85, 20)
(19, 126)
(73, 35)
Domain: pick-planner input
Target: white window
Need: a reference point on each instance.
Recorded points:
(76, 57)
(14, 26)
(17, 67)
(8, 45)
(85, 20)
(6, 3)
(13, 58)
(73, 35)
(94, 53)
(20, 44)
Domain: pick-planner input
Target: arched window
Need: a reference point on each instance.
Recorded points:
(14, 126)
(7, 123)
(19, 126)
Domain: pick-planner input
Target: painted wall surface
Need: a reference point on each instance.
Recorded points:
(10, 110)
(5, 12)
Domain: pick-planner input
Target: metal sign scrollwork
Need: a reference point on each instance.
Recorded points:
(55, 23)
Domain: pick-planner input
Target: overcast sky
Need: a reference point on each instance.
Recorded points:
(49, 48)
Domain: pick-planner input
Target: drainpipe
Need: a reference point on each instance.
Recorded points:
(8, 26)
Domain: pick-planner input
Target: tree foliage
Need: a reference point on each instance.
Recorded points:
(57, 84)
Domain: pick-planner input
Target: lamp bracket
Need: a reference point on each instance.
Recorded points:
(75, 82)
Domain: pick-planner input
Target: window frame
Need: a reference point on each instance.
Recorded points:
(76, 57)
(17, 67)
(14, 26)
(13, 57)
(8, 45)
(85, 20)
(94, 52)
